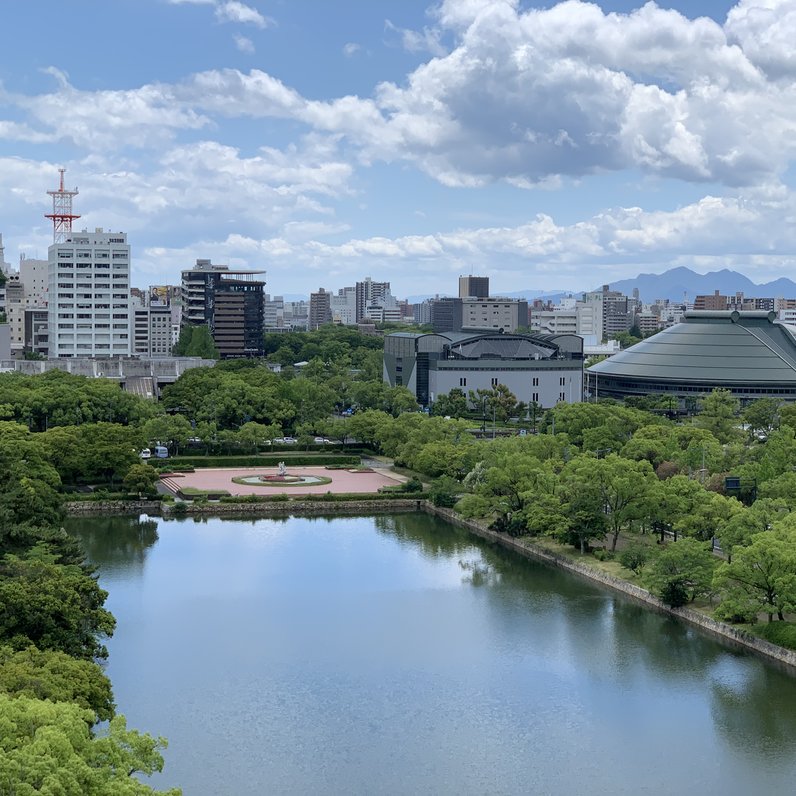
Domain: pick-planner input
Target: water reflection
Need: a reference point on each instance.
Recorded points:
(755, 713)
(401, 651)
(113, 543)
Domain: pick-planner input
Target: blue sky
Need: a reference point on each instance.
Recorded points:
(550, 146)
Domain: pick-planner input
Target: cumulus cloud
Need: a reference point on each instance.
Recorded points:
(613, 244)
(243, 44)
(350, 48)
(525, 96)
(414, 41)
(235, 11)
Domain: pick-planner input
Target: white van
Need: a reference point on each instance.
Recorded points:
(161, 452)
(145, 454)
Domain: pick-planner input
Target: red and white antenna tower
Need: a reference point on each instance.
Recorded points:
(62, 214)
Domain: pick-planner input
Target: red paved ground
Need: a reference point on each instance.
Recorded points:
(342, 480)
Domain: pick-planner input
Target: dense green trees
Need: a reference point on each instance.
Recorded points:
(195, 341)
(48, 747)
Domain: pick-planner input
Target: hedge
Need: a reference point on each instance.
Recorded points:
(96, 497)
(340, 497)
(263, 461)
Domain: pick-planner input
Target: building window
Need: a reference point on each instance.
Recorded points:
(494, 382)
(535, 382)
(562, 381)
(562, 396)
(463, 381)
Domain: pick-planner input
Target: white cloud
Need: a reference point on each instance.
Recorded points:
(613, 244)
(234, 11)
(413, 41)
(350, 49)
(523, 96)
(243, 44)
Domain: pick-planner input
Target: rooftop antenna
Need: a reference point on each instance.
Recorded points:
(62, 215)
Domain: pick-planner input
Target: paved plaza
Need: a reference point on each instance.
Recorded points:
(342, 481)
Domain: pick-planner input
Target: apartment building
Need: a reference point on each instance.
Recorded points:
(89, 295)
(457, 314)
(229, 302)
(320, 309)
(152, 331)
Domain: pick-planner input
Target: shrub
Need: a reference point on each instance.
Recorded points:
(781, 633)
(412, 485)
(635, 556)
(674, 593)
(601, 554)
(263, 461)
(180, 509)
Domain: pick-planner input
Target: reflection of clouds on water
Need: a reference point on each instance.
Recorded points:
(754, 707)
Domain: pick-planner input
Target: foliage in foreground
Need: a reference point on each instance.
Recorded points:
(48, 748)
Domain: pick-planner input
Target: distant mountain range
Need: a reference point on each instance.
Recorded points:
(677, 282)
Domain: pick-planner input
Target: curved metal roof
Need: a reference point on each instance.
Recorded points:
(720, 347)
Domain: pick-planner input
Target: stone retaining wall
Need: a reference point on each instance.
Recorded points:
(722, 630)
(94, 508)
(303, 507)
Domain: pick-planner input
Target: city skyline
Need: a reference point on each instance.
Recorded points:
(553, 148)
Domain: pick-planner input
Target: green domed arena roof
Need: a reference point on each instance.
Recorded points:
(751, 348)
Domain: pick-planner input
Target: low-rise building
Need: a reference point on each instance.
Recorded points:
(545, 369)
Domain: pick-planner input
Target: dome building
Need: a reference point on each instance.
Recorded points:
(752, 354)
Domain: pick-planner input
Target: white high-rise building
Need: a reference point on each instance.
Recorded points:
(89, 295)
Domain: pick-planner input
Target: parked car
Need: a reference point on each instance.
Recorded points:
(323, 441)
(161, 452)
(285, 441)
(145, 454)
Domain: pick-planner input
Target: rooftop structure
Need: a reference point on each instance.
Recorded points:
(62, 215)
(750, 353)
(229, 302)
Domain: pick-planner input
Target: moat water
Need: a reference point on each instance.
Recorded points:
(398, 655)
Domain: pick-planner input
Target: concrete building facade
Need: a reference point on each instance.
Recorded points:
(320, 309)
(89, 295)
(230, 303)
(546, 369)
(457, 314)
(474, 287)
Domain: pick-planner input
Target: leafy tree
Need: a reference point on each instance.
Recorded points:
(398, 400)
(782, 487)
(256, 434)
(500, 401)
(171, 430)
(653, 443)
(739, 529)
(444, 492)
(585, 517)
(635, 556)
(196, 341)
(685, 565)
(56, 676)
(452, 404)
(574, 419)
(30, 590)
(762, 415)
(761, 576)
(141, 478)
(48, 748)
(719, 415)
(624, 488)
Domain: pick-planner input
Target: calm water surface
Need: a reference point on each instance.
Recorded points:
(396, 655)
